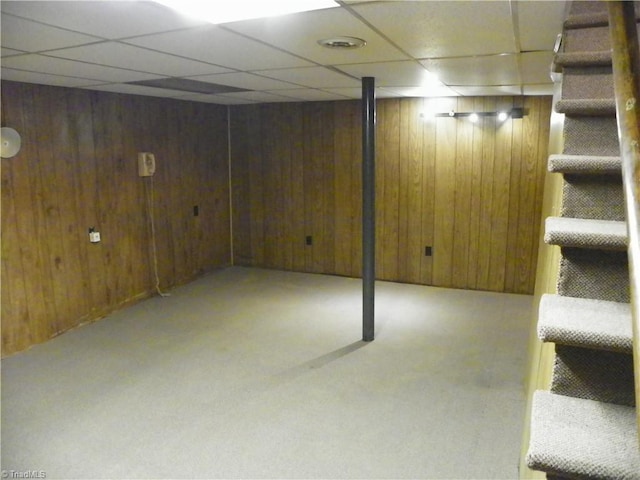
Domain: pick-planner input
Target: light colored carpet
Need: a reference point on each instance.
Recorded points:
(250, 373)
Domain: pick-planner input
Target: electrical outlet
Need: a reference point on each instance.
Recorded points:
(94, 237)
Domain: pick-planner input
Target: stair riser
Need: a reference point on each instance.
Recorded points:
(601, 275)
(591, 136)
(587, 83)
(585, 8)
(590, 39)
(593, 197)
(594, 375)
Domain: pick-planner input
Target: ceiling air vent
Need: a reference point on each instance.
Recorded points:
(342, 42)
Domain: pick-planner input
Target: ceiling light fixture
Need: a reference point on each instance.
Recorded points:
(237, 10)
(342, 42)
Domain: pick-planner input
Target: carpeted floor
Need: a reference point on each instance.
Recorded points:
(250, 373)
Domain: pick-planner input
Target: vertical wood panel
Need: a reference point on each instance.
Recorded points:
(461, 210)
(517, 199)
(390, 153)
(256, 182)
(543, 107)
(500, 210)
(78, 169)
(22, 297)
(298, 194)
(241, 187)
(428, 187)
(444, 214)
(326, 128)
(287, 194)
(486, 197)
(463, 189)
(476, 195)
(343, 118)
(410, 210)
(356, 189)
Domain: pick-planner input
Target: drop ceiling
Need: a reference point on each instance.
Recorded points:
(472, 47)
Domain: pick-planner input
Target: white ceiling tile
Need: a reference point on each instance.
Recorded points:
(120, 55)
(300, 33)
(258, 96)
(487, 91)
(356, 92)
(44, 78)
(244, 80)
(536, 90)
(314, 77)
(107, 19)
(431, 29)
(402, 74)
(214, 45)
(433, 91)
(536, 67)
(310, 95)
(70, 68)
(488, 70)
(539, 25)
(29, 36)
(351, 92)
(218, 99)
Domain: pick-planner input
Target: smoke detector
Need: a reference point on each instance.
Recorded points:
(343, 43)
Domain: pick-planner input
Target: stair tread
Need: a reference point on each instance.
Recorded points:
(583, 59)
(586, 20)
(586, 233)
(586, 323)
(584, 164)
(587, 106)
(583, 438)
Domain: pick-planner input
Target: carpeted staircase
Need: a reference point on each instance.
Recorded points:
(585, 426)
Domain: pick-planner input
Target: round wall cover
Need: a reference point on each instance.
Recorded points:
(9, 142)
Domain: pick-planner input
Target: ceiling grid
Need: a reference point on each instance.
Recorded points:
(413, 48)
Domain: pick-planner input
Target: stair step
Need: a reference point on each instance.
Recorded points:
(589, 14)
(604, 107)
(587, 83)
(591, 136)
(597, 274)
(583, 59)
(582, 438)
(585, 164)
(583, 322)
(593, 196)
(592, 39)
(585, 233)
(585, 20)
(600, 375)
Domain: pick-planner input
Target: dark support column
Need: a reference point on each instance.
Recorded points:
(368, 208)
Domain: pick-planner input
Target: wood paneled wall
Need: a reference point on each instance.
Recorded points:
(78, 169)
(471, 192)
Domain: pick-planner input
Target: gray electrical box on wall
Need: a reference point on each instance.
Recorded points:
(146, 164)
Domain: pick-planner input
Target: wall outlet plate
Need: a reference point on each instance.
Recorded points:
(94, 237)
